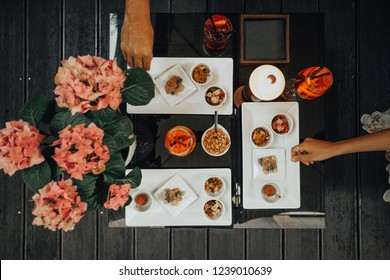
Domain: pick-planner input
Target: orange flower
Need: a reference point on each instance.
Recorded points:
(58, 206)
(88, 83)
(19, 146)
(118, 195)
(81, 150)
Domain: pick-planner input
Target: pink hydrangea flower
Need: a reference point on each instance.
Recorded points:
(58, 206)
(118, 195)
(81, 150)
(89, 83)
(19, 146)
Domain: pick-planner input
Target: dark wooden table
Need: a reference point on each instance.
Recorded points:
(181, 35)
(36, 35)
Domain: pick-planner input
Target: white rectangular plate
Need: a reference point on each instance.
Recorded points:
(157, 216)
(222, 68)
(258, 114)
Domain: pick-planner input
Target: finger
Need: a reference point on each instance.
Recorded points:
(147, 63)
(138, 62)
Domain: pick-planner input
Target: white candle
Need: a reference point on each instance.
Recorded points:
(267, 82)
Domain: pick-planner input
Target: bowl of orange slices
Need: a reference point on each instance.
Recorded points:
(180, 141)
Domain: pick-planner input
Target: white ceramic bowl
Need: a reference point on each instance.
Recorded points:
(256, 140)
(209, 191)
(139, 207)
(213, 214)
(204, 138)
(269, 196)
(201, 66)
(278, 123)
(215, 96)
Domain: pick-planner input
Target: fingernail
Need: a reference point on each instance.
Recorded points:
(293, 159)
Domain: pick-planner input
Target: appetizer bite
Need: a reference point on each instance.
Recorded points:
(269, 164)
(173, 196)
(261, 137)
(215, 96)
(216, 142)
(213, 209)
(201, 74)
(180, 141)
(281, 124)
(174, 85)
(214, 186)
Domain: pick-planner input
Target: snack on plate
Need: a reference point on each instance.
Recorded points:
(213, 208)
(280, 124)
(213, 185)
(269, 164)
(215, 96)
(173, 196)
(200, 74)
(174, 85)
(261, 136)
(216, 142)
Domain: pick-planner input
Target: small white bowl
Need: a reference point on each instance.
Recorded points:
(212, 129)
(271, 197)
(218, 192)
(213, 214)
(284, 118)
(201, 66)
(261, 129)
(210, 95)
(144, 207)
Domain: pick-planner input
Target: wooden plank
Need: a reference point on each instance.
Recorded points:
(373, 96)
(160, 6)
(189, 244)
(300, 6)
(44, 57)
(302, 244)
(264, 244)
(152, 243)
(217, 6)
(263, 6)
(189, 6)
(113, 243)
(12, 45)
(226, 244)
(80, 38)
(341, 174)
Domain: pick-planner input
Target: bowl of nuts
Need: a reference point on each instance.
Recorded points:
(216, 141)
(214, 186)
(201, 74)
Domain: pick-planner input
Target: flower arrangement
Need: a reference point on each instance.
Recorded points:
(69, 151)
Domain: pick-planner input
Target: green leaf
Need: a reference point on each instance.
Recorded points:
(62, 119)
(33, 111)
(115, 167)
(138, 88)
(107, 119)
(37, 176)
(123, 131)
(86, 187)
(109, 141)
(134, 178)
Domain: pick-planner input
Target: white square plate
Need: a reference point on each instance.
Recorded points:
(195, 103)
(156, 216)
(173, 99)
(256, 114)
(258, 172)
(188, 198)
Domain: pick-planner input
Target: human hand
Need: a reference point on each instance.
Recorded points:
(311, 150)
(137, 37)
